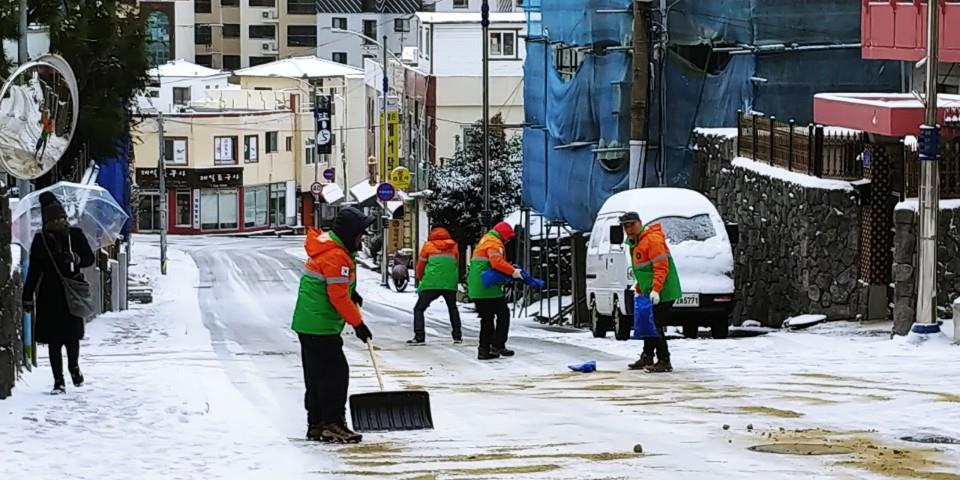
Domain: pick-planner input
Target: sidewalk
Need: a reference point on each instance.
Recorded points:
(157, 403)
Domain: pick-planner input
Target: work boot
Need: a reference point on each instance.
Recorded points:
(77, 377)
(335, 432)
(457, 341)
(487, 354)
(59, 387)
(663, 365)
(416, 341)
(504, 351)
(315, 433)
(644, 362)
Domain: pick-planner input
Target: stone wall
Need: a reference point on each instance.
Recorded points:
(799, 236)
(10, 311)
(905, 262)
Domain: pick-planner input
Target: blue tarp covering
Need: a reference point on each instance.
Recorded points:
(570, 184)
(114, 176)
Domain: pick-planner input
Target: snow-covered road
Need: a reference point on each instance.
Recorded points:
(837, 387)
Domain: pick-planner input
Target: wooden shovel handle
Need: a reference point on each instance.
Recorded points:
(373, 358)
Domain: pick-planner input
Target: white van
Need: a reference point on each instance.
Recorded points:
(699, 242)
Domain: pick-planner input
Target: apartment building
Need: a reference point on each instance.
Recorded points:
(234, 34)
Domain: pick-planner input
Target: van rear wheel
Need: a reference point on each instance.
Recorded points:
(621, 324)
(599, 324)
(691, 330)
(720, 329)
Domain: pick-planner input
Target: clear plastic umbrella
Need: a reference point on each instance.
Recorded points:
(89, 207)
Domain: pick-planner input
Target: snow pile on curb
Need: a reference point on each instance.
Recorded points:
(803, 321)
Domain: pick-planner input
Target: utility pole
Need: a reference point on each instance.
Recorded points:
(926, 320)
(316, 153)
(162, 173)
(486, 216)
(641, 89)
(384, 257)
(664, 38)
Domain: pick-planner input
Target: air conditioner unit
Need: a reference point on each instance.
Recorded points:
(266, 13)
(267, 46)
(410, 55)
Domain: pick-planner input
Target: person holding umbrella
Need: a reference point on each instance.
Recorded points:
(57, 252)
(326, 302)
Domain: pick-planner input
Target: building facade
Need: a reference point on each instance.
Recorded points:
(177, 84)
(234, 34)
(226, 172)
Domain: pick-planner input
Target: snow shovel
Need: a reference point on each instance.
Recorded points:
(389, 411)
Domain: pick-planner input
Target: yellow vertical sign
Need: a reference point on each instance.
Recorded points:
(393, 140)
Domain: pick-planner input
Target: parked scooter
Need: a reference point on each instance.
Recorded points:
(400, 272)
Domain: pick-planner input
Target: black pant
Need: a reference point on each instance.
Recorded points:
(56, 358)
(326, 375)
(423, 302)
(659, 344)
(488, 309)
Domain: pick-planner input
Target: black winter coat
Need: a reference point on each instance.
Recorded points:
(54, 323)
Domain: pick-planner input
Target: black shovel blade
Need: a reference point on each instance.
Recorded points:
(390, 411)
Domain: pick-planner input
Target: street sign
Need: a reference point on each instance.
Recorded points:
(386, 192)
(316, 189)
(324, 134)
(393, 140)
(400, 177)
(329, 174)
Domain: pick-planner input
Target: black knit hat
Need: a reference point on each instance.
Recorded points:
(629, 217)
(350, 224)
(51, 208)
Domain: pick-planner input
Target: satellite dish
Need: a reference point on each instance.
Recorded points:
(38, 116)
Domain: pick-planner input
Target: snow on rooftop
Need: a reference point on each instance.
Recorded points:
(183, 68)
(299, 67)
(792, 177)
(471, 17)
(656, 202)
(889, 100)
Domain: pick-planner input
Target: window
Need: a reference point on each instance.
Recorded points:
(158, 38)
(231, 62)
(263, 3)
(310, 153)
(254, 61)
(461, 3)
(263, 31)
(369, 30)
(273, 142)
(278, 204)
(682, 229)
(225, 150)
(339, 57)
(250, 150)
(503, 44)
(148, 212)
(218, 209)
(184, 205)
(231, 30)
(204, 60)
(401, 25)
(175, 151)
(202, 35)
(301, 7)
(302, 35)
(339, 22)
(202, 6)
(289, 144)
(181, 95)
(230, 3)
(255, 209)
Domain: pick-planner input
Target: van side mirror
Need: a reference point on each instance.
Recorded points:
(616, 235)
(733, 233)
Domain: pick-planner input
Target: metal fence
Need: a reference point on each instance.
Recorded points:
(810, 149)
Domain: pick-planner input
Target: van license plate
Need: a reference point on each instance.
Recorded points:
(688, 300)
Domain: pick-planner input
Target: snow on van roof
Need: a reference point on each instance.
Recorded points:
(656, 202)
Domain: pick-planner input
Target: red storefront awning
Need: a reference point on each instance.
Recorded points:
(891, 114)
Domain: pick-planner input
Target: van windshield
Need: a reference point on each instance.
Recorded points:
(684, 229)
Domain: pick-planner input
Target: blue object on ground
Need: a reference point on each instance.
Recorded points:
(644, 325)
(493, 277)
(587, 367)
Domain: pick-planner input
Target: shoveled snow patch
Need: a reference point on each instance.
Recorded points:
(792, 177)
(751, 324)
(803, 321)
